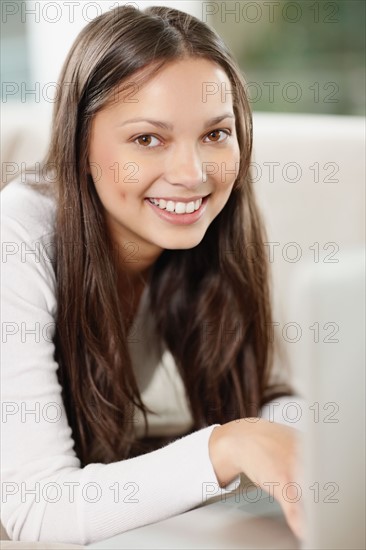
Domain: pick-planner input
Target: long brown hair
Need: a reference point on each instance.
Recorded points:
(216, 311)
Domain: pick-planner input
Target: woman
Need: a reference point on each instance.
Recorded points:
(151, 367)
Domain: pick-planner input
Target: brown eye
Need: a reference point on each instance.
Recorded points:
(144, 140)
(215, 134)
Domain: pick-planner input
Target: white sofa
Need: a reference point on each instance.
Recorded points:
(309, 176)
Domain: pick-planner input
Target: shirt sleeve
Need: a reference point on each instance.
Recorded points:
(46, 495)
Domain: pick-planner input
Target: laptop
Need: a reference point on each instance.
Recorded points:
(329, 300)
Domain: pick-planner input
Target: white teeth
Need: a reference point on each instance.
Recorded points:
(180, 208)
(177, 207)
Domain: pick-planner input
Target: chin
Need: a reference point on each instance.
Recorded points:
(182, 244)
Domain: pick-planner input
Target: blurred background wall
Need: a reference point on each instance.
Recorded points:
(305, 57)
(37, 35)
(300, 57)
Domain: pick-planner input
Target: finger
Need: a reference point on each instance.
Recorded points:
(294, 518)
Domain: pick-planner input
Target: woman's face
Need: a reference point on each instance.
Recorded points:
(163, 178)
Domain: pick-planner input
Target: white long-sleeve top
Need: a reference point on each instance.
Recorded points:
(46, 495)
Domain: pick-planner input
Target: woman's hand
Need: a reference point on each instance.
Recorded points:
(267, 452)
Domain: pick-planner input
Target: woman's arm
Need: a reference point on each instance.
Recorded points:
(267, 452)
(46, 495)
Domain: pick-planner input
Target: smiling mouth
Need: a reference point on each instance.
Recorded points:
(177, 207)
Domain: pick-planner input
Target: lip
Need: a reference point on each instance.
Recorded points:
(180, 219)
(180, 199)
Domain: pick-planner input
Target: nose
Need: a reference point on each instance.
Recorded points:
(183, 167)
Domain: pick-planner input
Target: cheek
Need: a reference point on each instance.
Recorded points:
(104, 154)
(101, 165)
(147, 167)
(228, 171)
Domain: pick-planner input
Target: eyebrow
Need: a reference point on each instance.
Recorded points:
(168, 126)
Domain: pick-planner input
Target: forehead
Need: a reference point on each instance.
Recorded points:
(180, 89)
